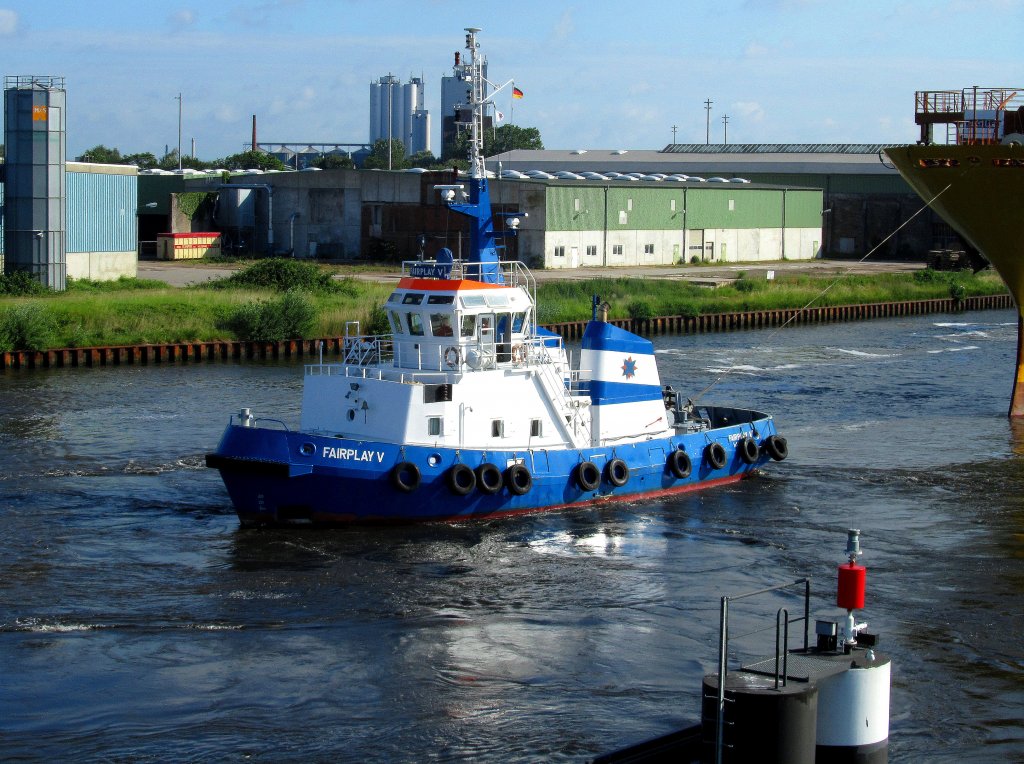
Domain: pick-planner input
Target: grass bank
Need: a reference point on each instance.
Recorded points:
(275, 301)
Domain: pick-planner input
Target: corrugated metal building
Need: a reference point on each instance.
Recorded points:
(863, 199)
(588, 224)
(101, 224)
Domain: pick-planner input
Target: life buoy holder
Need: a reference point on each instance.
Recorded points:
(777, 447)
(617, 472)
(452, 356)
(518, 353)
(518, 479)
(405, 476)
(488, 478)
(679, 464)
(461, 480)
(588, 476)
(749, 450)
(714, 454)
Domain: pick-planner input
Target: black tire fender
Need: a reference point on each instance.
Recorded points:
(777, 447)
(405, 476)
(588, 476)
(461, 480)
(518, 479)
(749, 451)
(679, 464)
(617, 473)
(488, 478)
(714, 455)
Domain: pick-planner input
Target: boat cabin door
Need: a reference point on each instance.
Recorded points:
(485, 332)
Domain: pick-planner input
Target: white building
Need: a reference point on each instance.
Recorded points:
(397, 111)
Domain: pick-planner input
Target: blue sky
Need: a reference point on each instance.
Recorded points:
(596, 74)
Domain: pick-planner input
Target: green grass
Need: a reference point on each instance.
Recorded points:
(130, 312)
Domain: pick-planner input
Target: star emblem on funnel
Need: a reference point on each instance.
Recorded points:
(629, 368)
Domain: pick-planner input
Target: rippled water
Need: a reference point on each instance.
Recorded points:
(138, 622)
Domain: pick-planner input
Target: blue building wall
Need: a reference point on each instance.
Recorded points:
(101, 212)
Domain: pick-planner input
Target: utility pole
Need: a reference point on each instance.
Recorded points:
(179, 129)
(707, 107)
(725, 129)
(674, 128)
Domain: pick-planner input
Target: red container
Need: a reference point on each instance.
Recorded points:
(850, 594)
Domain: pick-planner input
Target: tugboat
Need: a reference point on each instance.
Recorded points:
(469, 410)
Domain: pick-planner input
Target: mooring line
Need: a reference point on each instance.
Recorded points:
(825, 291)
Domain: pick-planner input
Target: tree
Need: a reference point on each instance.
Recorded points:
(101, 155)
(423, 159)
(378, 158)
(251, 160)
(498, 141)
(334, 162)
(144, 160)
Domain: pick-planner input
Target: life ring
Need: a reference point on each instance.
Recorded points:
(588, 476)
(777, 447)
(714, 454)
(518, 479)
(405, 476)
(452, 356)
(488, 478)
(617, 472)
(749, 451)
(518, 354)
(461, 480)
(679, 464)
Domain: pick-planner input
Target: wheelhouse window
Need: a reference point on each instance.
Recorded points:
(497, 428)
(440, 299)
(395, 318)
(441, 325)
(412, 298)
(415, 323)
(434, 425)
(467, 327)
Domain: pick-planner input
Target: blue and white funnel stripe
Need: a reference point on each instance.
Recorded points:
(620, 366)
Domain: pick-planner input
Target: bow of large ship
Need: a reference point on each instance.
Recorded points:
(975, 182)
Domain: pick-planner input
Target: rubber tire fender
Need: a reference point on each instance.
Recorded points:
(714, 455)
(748, 450)
(587, 476)
(405, 476)
(488, 478)
(617, 473)
(777, 447)
(518, 479)
(461, 479)
(679, 464)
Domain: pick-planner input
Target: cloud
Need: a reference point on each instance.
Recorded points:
(564, 27)
(182, 18)
(8, 22)
(752, 111)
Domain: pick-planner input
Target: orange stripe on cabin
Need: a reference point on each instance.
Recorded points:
(446, 285)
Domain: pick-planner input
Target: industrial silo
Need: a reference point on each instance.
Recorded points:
(34, 136)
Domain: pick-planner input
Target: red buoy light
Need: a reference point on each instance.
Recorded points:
(850, 594)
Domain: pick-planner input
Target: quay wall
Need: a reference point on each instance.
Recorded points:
(195, 352)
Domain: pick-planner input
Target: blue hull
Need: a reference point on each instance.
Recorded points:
(276, 476)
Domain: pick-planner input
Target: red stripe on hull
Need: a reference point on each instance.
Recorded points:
(332, 519)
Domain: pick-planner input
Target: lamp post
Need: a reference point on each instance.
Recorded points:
(178, 97)
(707, 107)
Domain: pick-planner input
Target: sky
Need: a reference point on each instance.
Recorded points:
(595, 74)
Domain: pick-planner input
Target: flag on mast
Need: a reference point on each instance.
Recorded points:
(516, 92)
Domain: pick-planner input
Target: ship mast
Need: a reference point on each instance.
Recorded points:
(483, 263)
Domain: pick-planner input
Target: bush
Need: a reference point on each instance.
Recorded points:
(281, 275)
(290, 317)
(377, 323)
(639, 310)
(746, 285)
(957, 291)
(26, 327)
(21, 283)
